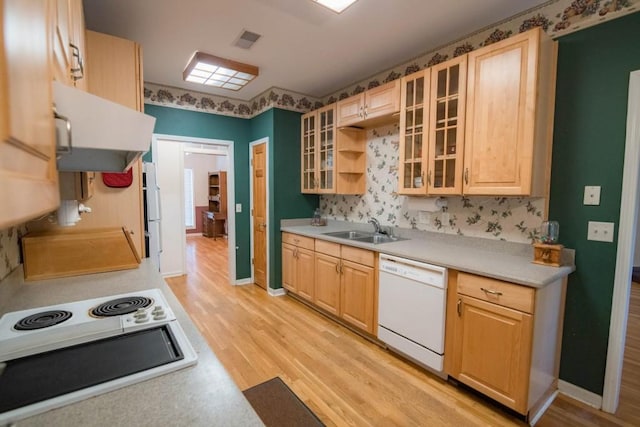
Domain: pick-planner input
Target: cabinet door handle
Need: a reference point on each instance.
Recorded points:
(491, 292)
(338, 267)
(428, 178)
(80, 68)
(69, 147)
(365, 110)
(459, 307)
(361, 113)
(295, 253)
(466, 176)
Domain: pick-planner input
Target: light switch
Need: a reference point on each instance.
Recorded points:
(600, 231)
(592, 195)
(238, 207)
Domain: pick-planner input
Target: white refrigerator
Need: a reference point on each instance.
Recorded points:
(153, 216)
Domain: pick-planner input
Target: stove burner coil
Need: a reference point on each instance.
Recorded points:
(42, 320)
(120, 306)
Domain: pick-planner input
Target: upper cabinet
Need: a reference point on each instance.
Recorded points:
(414, 121)
(446, 126)
(69, 43)
(370, 107)
(318, 151)
(333, 160)
(27, 148)
(432, 129)
(481, 123)
(509, 125)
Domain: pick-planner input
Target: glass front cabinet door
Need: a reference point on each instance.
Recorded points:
(414, 120)
(446, 126)
(308, 151)
(318, 151)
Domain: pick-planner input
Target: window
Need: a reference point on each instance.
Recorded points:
(189, 208)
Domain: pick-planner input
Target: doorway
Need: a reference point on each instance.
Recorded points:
(625, 250)
(259, 212)
(168, 153)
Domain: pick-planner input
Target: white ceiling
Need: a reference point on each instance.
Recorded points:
(304, 48)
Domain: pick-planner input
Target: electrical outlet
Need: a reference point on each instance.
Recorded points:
(445, 219)
(238, 207)
(600, 231)
(424, 217)
(591, 195)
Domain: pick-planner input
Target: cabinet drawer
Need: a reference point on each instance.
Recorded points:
(506, 294)
(328, 248)
(297, 240)
(360, 256)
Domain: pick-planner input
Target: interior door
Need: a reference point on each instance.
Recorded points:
(259, 185)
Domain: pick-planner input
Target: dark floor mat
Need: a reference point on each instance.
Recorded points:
(278, 406)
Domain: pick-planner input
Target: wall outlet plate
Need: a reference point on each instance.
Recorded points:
(238, 207)
(600, 231)
(424, 217)
(592, 195)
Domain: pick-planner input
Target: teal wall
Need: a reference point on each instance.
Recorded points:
(172, 121)
(283, 130)
(287, 201)
(589, 138)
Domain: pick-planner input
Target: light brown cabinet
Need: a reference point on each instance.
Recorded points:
(432, 129)
(414, 125)
(27, 147)
(333, 160)
(503, 339)
(345, 283)
(371, 106)
(113, 71)
(318, 151)
(69, 43)
(297, 262)
(509, 123)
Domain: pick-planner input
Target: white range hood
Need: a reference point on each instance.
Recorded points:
(105, 136)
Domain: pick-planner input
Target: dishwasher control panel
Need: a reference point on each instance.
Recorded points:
(415, 270)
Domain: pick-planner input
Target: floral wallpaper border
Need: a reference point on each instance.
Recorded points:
(556, 17)
(206, 103)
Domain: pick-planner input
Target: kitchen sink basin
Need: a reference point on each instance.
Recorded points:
(351, 235)
(364, 236)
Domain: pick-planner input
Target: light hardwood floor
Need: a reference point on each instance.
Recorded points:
(345, 379)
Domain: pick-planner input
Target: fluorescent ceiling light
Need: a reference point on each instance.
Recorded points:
(218, 72)
(336, 5)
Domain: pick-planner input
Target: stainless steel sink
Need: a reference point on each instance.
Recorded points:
(351, 235)
(363, 236)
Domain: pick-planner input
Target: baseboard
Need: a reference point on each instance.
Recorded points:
(246, 281)
(578, 393)
(536, 414)
(276, 292)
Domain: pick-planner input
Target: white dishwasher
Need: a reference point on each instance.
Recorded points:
(411, 309)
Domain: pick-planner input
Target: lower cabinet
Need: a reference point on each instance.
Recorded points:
(339, 279)
(298, 265)
(506, 338)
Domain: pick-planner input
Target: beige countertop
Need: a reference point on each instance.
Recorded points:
(200, 395)
(498, 259)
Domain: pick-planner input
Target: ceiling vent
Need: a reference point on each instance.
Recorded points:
(247, 39)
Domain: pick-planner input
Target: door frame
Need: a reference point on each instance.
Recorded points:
(231, 194)
(252, 144)
(625, 251)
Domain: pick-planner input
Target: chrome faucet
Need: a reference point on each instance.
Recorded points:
(376, 226)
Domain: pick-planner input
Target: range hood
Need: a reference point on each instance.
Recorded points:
(105, 136)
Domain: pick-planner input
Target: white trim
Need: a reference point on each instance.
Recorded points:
(534, 418)
(579, 393)
(276, 292)
(241, 282)
(626, 247)
(252, 144)
(231, 194)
